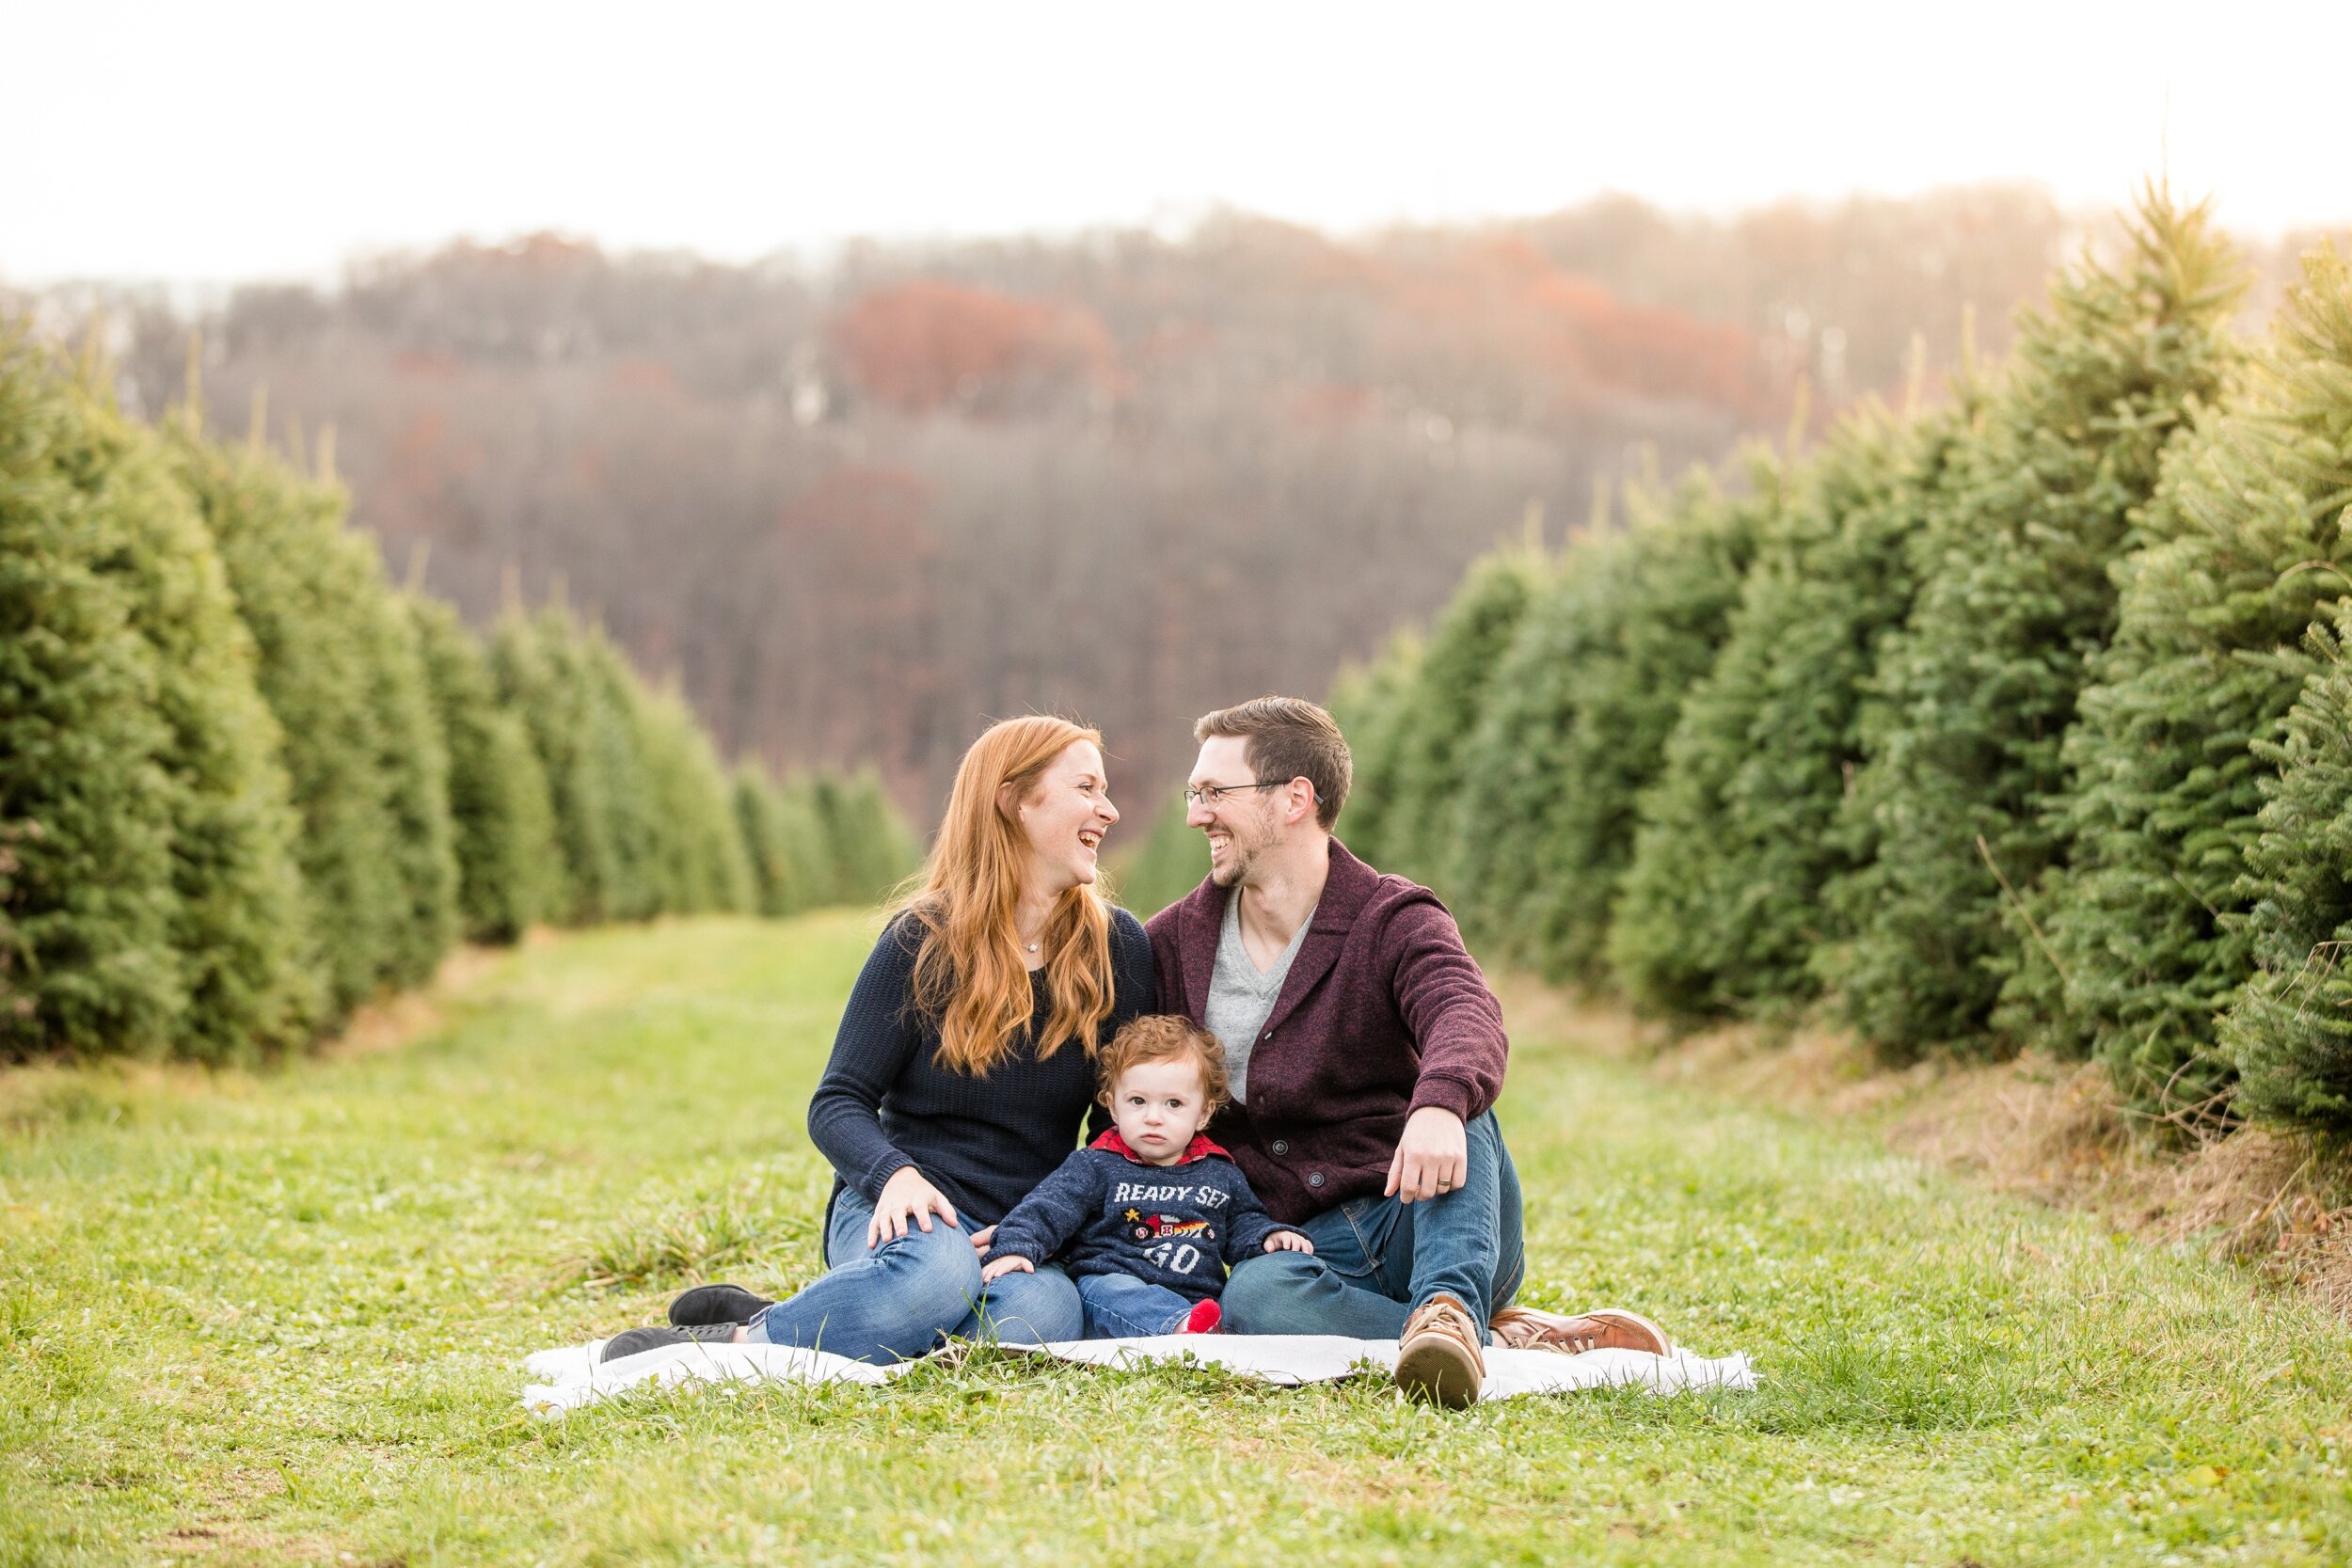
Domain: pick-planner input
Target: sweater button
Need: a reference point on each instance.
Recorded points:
(1281, 1146)
(1314, 1178)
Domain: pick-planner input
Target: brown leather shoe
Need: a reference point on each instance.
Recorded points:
(1438, 1358)
(1606, 1328)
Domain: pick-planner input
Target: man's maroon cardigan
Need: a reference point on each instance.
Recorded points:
(1384, 1012)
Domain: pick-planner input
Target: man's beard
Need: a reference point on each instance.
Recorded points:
(1230, 871)
(1239, 857)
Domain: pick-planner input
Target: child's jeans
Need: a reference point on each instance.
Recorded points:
(1120, 1307)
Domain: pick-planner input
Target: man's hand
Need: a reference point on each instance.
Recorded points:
(906, 1195)
(1288, 1241)
(1432, 1158)
(1010, 1263)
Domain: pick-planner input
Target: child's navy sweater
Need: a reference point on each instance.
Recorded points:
(1105, 1211)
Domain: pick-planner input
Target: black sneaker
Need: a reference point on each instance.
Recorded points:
(630, 1341)
(717, 1303)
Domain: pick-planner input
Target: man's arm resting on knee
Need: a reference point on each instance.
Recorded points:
(1443, 998)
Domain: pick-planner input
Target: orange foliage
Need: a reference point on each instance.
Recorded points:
(413, 364)
(644, 375)
(1332, 403)
(427, 460)
(930, 343)
(864, 521)
(538, 254)
(862, 535)
(1504, 298)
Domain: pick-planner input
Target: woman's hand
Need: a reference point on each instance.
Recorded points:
(1010, 1263)
(906, 1194)
(1288, 1241)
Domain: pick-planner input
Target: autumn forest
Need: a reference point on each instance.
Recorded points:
(857, 505)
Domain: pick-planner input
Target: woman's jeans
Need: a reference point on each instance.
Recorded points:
(901, 1299)
(1120, 1307)
(1377, 1258)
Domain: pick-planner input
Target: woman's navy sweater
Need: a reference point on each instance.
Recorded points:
(885, 1101)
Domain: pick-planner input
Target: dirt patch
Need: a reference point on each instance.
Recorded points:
(251, 1544)
(2036, 1127)
(396, 1020)
(51, 1091)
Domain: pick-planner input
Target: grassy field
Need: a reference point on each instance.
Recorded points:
(278, 1317)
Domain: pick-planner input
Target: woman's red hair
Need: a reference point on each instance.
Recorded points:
(969, 975)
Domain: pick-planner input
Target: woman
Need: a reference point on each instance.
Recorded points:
(963, 1069)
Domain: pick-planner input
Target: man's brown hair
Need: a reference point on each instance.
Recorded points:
(1289, 738)
(1167, 1038)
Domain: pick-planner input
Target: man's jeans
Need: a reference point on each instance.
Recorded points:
(1120, 1306)
(1376, 1259)
(899, 1300)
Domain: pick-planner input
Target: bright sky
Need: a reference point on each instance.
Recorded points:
(239, 138)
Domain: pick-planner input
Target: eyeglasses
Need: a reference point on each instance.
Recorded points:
(1213, 795)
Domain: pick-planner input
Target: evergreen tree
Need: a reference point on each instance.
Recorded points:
(540, 680)
(618, 744)
(649, 821)
(1963, 786)
(341, 669)
(1369, 703)
(1634, 621)
(678, 875)
(1171, 862)
(702, 864)
(578, 698)
(735, 885)
(414, 763)
(224, 974)
(775, 832)
(815, 867)
(2247, 547)
(1511, 762)
(502, 817)
(240, 926)
(155, 758)
(86, 834)
(872, 849)
(1720, 908)
(819, 840)
(2289, 1033)
(1438, 711)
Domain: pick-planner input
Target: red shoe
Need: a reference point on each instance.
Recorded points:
(1203, 1319)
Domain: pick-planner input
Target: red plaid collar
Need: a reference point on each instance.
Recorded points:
(1199, 1148)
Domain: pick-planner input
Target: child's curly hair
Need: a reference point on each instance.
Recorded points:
(1167, 1038)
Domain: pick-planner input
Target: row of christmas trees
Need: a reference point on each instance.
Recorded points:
(2020, 720)
(246, 783)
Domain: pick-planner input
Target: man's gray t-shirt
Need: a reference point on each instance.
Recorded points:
(1241, 998)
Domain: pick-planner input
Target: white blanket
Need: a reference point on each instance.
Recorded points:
(572, 1376)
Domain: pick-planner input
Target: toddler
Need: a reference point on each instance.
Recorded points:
(1147, 1217)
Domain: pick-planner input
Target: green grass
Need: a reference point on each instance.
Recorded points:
(278, 1317)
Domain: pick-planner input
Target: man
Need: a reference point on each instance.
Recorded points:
(1365, 1054)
